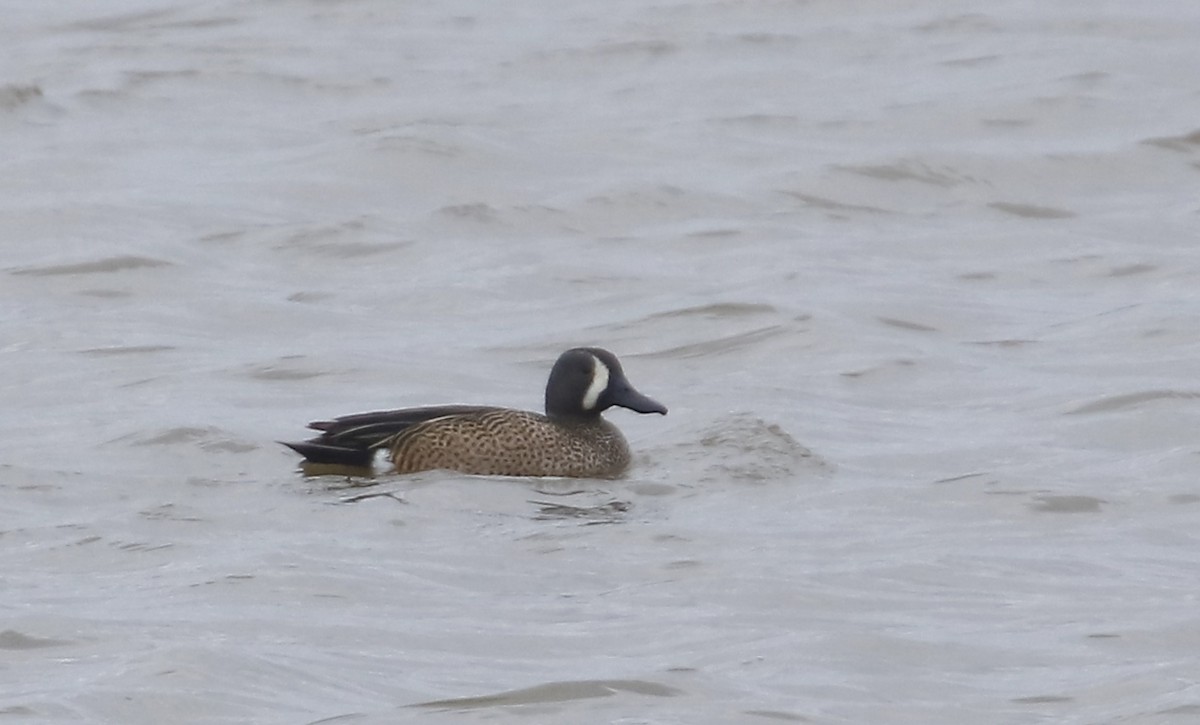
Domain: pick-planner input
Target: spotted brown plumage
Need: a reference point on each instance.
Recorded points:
(571, 439)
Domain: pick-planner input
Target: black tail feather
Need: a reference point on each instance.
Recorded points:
(316, 452)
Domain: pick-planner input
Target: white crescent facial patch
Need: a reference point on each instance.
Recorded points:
(598, 385)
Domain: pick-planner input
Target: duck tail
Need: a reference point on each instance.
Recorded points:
(315, 451)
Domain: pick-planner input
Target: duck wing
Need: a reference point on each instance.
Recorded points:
(352, 440)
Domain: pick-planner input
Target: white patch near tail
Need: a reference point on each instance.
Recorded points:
(598, 385)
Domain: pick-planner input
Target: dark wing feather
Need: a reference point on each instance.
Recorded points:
(352, 439)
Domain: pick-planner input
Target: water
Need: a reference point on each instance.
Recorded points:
(916, 280)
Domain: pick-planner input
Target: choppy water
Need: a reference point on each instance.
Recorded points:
(917, 280)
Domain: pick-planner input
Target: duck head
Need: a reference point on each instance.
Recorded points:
(586, 381)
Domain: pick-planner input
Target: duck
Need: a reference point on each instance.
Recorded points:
(571, 439)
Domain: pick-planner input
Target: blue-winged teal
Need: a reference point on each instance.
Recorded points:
(571, 439)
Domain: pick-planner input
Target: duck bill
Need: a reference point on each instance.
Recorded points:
(626, 397)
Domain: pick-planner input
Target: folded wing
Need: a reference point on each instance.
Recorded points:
(353, 439)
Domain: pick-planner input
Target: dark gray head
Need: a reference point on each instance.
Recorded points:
(586, 381)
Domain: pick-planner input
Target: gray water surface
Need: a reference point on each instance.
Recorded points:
(918, 282)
